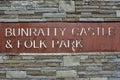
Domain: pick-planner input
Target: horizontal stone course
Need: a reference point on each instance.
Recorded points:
(99, 10)
(87, 66)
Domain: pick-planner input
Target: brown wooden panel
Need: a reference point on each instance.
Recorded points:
(59, 37)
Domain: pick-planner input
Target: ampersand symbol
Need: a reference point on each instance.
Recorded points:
(8, 44)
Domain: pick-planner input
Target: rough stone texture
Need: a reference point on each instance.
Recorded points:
(1, 59)
(66, 74)
(98, 79)
(114, 79)
(118, 13)
(60, 66)
(59, 10)
(71, 61)
(15, 74)
(67, 6)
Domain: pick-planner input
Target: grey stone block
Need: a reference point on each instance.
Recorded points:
(1, 72)
(82, 78)
(16, 74)
(53, 15)
(106, 72)
(86, 13)
(19, 12)
(52, 60)
(21, 3)
(107, 11)
(36, 3)
(83, 72)
(8, 16)
(87, 6)
(111, 57)
(84, 57)
(5, 8)
(27, 20)
(92, 68)
(46, 9)
(41, 77)
(99, 78)
(76, 79)
(92, 64)
(66, 74)
(107, 75)
(118, 55)
(112, 0)
(91, 19)
(114, 60)
(114, 78)
(67, 6)
(71, 60)
(1, 59)
(27, 57)
(118, 13)
(8, 20)
(12, 8)
(97, 56)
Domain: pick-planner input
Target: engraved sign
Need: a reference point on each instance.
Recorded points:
(59, 37)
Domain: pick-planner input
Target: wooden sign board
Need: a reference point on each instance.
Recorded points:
(59, 37)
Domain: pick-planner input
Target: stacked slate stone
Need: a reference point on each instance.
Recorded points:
(82, 66)
(59, 10)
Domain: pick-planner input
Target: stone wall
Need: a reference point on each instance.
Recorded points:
(60, 66)
(59, 10)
